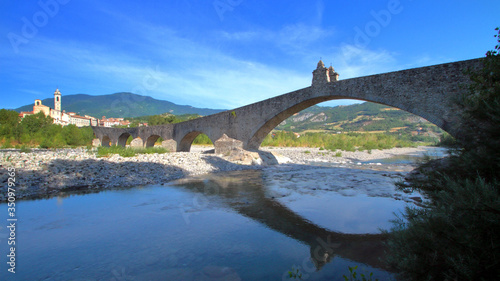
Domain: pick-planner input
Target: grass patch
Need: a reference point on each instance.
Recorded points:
(25, 149)
(346, 142)
(103, 151)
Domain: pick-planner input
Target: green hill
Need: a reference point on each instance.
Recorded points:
(364, 117)
(120, 105)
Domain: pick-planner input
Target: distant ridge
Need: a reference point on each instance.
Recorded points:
(364, 117)
(120, 105)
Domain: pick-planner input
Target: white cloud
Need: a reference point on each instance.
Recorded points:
(354, 61)
(291, 38)
(162, 63)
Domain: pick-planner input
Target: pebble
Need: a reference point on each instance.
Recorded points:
(43, 172)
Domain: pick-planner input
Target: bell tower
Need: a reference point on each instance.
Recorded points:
(57, 100)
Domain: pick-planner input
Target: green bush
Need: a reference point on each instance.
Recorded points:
(39, 130)
(347, 142)
(457, 237)
(203, 140)
(447, 140)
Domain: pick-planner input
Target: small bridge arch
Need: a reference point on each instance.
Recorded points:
(106, 141)
(122, 139)
(151, 140)
(187, 141)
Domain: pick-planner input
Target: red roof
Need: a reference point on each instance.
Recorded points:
(25, 113)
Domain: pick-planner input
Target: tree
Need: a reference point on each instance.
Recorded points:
(456, 236)
(9, 119)
(33, 123)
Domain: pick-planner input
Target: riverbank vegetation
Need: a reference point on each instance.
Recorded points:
(38, 130)
(347, 142)
(456, 235)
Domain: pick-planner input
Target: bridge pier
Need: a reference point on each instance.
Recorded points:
(170, 145)
(96, 142)
(225, 145)
(137, 142)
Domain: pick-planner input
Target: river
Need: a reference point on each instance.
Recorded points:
(243, 225)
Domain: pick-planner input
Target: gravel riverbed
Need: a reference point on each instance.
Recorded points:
(44, 173)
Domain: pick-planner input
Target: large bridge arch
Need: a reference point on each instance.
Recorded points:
(268, 125)
(273, 122)
(428, 92)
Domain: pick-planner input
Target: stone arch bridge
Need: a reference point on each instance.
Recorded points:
(427, 92)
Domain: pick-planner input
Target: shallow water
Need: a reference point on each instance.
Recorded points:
(226, 226)
(413, 158)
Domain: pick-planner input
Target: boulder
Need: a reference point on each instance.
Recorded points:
(225, 145)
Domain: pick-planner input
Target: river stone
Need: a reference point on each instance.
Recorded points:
(243, 157)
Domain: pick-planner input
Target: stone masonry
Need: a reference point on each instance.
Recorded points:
(428, 92)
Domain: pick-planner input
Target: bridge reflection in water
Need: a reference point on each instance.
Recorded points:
(246, 193)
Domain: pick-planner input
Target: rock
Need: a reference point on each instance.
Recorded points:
(225, 145)
(242, 156)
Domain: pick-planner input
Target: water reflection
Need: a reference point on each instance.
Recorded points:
(412, 158)
(245, 192)
(224, 226)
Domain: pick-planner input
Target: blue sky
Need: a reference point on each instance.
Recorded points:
(225, 53)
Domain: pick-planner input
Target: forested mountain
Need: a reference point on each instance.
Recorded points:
(120, 105)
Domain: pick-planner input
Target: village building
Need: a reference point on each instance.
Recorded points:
(60, 116)
(111, 122)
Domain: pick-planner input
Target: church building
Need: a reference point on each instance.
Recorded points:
(60, 116)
